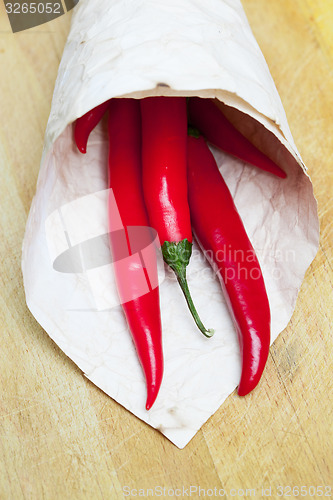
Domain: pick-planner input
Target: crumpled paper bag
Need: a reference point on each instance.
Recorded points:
(141, 48)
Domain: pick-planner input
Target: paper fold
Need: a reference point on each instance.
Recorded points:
(140, 48)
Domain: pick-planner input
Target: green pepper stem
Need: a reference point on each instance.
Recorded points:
(193, 131)
(177, 256)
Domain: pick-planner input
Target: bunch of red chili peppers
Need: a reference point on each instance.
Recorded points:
(163, 175)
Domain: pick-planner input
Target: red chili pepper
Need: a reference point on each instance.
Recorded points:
(164, 156)
(216, 128)
(86, 123)
(222, 236)
(133, 275)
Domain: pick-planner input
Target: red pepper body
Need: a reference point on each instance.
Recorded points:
(217, 129)
(86, 123)
(164, 155)
(164, 160)
(222, 236)
(133, 274)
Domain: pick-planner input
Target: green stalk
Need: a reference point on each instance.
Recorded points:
(177, 256)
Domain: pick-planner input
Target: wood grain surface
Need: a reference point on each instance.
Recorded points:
(60, 436)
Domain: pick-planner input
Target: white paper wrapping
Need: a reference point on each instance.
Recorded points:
(141, 48)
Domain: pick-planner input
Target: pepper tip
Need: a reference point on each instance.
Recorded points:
(280, 173)
(150, 400)
(241, 392)
(152, 393)
(245, 387)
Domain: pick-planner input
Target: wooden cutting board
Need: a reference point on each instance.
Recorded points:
(63, 438)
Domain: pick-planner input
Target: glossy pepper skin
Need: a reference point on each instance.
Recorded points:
(86, 123)
(164, 159)
(216, 128)
(142, 312)
(222, 236)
